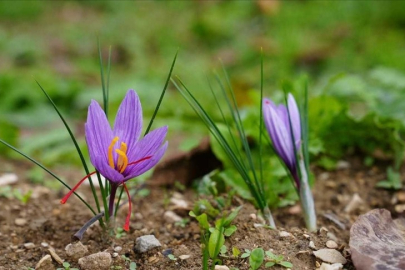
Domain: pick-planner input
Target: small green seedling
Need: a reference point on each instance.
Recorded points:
(120, 233)
(235, 252)
(132, 266)
(213, 238)
(182, 223)
(276, 259)
(223, 251)
(246, 253)
(15, 193)
(116, 267)
(172, 257)
(393, 180)
(256, 258)
(66, 266)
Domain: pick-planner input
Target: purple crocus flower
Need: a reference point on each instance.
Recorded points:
(119, 154)
(277, 120)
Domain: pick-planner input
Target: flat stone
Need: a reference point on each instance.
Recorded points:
(97, 261)
(115, 254)
(184, 257)
(330, 256)
(146, 243)
(76, 250)
(171, 217)
(335, 266)
(312, 245)
(284, 234)
(117, 248)
(8, 179)
(20, 221)
(29, 245)
(221, 267)
(45, 263)
(44, 244)
(331, 244)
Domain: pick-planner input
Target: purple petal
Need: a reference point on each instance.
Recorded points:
(295, 119)
(146, 165)
(109, 173)
(128, 122)
(279, 134)
(98, 133)
(148, 145)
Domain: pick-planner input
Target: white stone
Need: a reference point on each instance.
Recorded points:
(285, 234)
(97, 261)
(20, 221)
(115, 254)
(44, 244)
(45, 263)
(171, 217)
(8, 179)
(312, 245)
(330, 256)
(221, 267)
(335, 266)
(331, 244)
(76, 250)
(179, 203)
(184, 257)
(29, 245)
(117, 248)
(146, 242)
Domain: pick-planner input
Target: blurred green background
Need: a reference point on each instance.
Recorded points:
(353, 53)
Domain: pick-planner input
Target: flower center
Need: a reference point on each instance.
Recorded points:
(122, 161)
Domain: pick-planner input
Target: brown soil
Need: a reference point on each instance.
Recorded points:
(50, 222)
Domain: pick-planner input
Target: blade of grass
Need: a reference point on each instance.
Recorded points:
(261, 122)
(48, 171)
(86, 169)
(162, 95)
(217, 134)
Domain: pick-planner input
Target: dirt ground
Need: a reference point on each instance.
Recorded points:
(50, 224)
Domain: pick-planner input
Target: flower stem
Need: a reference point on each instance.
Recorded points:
(269, 217)
(307, 200)
(112, 198)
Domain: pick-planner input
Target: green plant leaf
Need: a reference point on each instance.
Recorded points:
(256, 258)
(269, 264)
(216, 241)
(286, 264)
(230, 230)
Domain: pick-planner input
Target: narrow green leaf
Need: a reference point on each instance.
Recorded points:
(231, 216)
(230, 230)
(269, 264)
(162, 95)
(286, 264)
(216, 241)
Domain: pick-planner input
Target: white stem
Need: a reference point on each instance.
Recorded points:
(269, 217)
(307, 200)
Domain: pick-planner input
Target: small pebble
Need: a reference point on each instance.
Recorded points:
(312, 245)
(146, 243)
(342, 165)
(335, 266)
(306, 236)
(354, 203)
(285, 234)
(29, 245)
(20, 221)
(331, 244)
(221, 267)
(294, 210)
(332, 236)
(8, 179)
(253, 216)
(45, 263)
(138, 216)
(44, 244)
(97, 261)
(184, 257)
(117, 248)
(401, 196)
(171, 217)
(399, 208)
(115, 254)
(330, 256)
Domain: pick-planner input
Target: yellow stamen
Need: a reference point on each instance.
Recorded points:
(122, 160)
(110, 152)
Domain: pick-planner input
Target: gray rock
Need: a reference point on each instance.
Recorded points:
(45, 263)
(146, 243)
(330, 256)
(76, 250)
(97, 261)
(20, 221)
(331, 244)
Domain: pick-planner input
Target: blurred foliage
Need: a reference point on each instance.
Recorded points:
(55, 43)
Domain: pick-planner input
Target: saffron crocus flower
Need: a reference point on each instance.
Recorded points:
(119, 154)
(279, 120)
